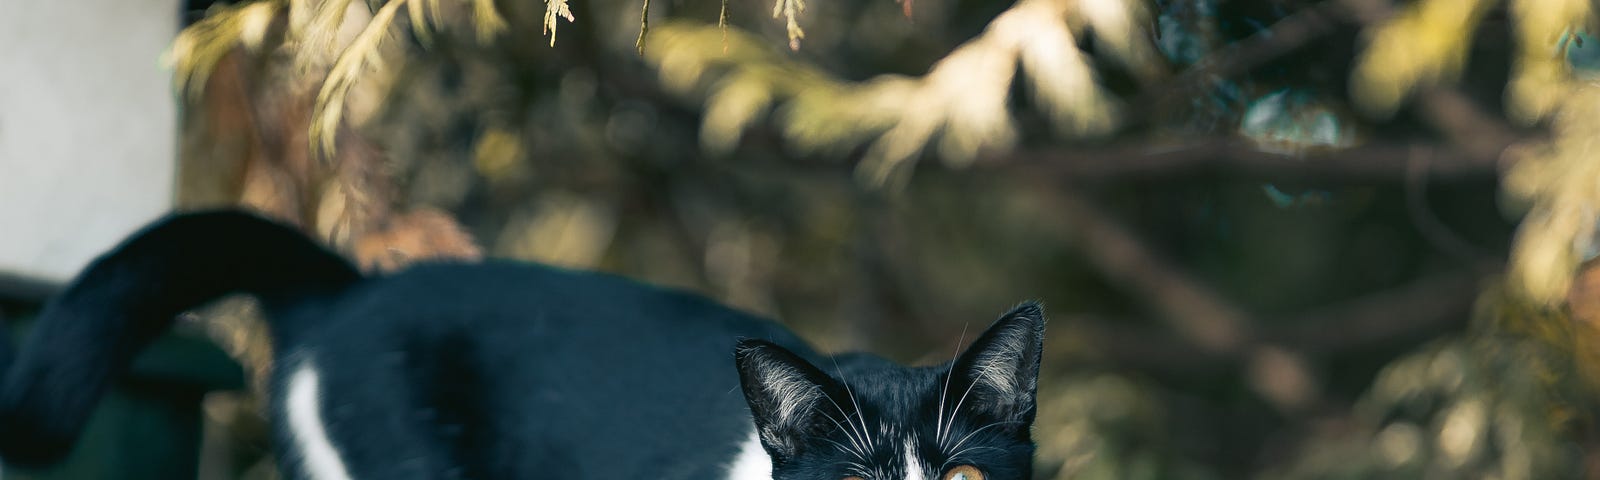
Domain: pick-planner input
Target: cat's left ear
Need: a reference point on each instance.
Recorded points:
(784, 392)
(1000, 371)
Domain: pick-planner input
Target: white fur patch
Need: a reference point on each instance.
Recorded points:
(794, 394)
(998, 366)
(913, 464)
(752, 462)
(319, 459)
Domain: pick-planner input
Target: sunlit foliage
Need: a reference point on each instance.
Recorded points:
(961, 102)
(1423, 45)
(1556, 180)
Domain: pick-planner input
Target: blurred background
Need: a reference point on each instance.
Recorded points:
(1278, 239)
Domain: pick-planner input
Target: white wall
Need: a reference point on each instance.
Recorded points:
(87, 128)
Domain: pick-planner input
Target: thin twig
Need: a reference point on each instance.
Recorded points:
(644, 27)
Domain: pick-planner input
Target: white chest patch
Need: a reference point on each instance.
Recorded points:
(752, 463)
(319, 459)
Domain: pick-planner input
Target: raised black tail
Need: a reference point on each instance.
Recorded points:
(86, 337)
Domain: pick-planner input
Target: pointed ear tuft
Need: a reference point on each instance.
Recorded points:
(1001, 368)
(783, 392)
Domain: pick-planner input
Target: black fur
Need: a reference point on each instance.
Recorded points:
(510, 370)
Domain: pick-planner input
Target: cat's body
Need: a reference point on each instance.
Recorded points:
(505, 370)
(586, 356)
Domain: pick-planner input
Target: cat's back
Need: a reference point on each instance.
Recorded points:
(531, 294)
(582, 367)
(547, 311)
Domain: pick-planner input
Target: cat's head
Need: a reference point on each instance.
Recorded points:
(870, 419)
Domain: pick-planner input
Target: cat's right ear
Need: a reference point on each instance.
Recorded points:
(784, 392)
(1000, 371)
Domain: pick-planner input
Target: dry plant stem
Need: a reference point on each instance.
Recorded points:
(644, 27)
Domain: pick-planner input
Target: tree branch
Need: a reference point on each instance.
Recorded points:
(1409, 311)
(1424, 306)
(1215, 331)
(1360, 164)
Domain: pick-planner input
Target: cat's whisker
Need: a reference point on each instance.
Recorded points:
(975, 448)
(975, 432)
(963, 399)
(847, 433)
(845, 449)
(862, 416)
(957, 455)
(939, 426)
(859, 414)
(864, 443)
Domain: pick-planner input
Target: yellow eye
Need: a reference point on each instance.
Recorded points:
(964, 472)
(852, 478)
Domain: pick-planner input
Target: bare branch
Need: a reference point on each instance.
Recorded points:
(1465, 123)
(1363, 163)
(1423, 306)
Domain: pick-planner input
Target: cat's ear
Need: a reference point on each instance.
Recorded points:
(998, 375)
(785, 394)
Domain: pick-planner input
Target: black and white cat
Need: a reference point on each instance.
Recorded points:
(519, 371)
